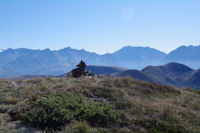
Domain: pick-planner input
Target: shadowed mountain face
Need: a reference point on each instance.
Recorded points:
(174, 74)
(17, 62)
(133, 73)
(102, 70)
(194, 79)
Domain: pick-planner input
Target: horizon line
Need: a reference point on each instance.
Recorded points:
(69, 47)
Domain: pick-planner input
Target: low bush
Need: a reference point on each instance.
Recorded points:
(53, 111)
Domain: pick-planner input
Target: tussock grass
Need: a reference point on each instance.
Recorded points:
(142, 107)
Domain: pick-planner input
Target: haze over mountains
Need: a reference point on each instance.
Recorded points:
(16, 62)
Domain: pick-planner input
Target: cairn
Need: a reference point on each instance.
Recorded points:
(80, 71)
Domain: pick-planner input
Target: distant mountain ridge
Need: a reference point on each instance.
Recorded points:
(22, 61)
(138, 57)
(189, 56)
(173, 74)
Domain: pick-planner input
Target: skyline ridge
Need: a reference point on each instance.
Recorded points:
(131, 46)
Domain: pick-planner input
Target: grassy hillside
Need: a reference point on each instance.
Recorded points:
(97, 105)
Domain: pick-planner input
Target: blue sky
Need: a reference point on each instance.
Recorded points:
(99, 25)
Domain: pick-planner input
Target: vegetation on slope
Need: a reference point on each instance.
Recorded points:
(97, 105)
(53, 111)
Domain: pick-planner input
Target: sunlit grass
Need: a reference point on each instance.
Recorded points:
(138, 103)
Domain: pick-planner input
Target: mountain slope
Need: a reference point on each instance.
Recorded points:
(173, 74)
(103, 70)
(193, 79)
(138, 57)
(136, 74)
(185, 55)
(17, 62)
(170, 74)
(26, 61)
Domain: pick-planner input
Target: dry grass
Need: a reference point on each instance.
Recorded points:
(139, 103)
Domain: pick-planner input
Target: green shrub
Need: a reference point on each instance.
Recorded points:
(53, 111)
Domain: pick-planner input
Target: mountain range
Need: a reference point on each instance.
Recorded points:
(173, 74)
(17, 62)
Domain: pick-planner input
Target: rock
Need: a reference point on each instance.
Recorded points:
(80, 71)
